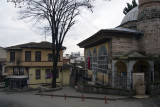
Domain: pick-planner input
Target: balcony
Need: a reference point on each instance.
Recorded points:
(34, 64)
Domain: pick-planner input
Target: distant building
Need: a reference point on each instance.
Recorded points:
(30, 65)
(66, 59)
(3, 69)
(75, 54)
(77, 59)
(2, 53)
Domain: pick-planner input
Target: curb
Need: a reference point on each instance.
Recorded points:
(69, 96)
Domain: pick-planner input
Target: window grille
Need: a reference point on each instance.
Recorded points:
(28, 56)
(102, 60)
(15, 71)
(48, 74)
(12, 56)
(38, 74)
(38, 56)
(21, 71)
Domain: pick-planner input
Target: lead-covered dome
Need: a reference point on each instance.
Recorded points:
(131, 16)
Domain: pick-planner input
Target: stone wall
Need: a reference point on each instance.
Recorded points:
(155, 89)
(149, 23)
(150, 42)
(130, 25)
(148, 3)
(124, 45)
(104, 90)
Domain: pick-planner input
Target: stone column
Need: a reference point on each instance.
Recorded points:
(151, 71)
(130, 65)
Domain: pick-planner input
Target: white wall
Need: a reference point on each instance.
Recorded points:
(4, 73)
(2, 53)
(78, 59)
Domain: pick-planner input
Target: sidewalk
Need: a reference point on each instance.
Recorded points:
(72, 93)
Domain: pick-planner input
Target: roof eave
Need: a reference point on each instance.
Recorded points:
(134, 34)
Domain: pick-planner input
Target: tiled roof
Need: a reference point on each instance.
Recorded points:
(109, 33)
(122, 29)
(40, 45)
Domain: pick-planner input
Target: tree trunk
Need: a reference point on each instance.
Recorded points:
(54, 69)
(55, 65)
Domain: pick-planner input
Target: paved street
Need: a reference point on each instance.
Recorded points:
(72, 92)
(28, 99)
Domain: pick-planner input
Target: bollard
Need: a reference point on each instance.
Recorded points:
(82, 97)
(105, 100)
(51, 95)
(65, 96)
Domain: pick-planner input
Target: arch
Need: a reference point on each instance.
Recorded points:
(142, 66)
(88, 54)
(102, 51)
(102, 60)
(120, 75)
(121, 67)
(94, 55)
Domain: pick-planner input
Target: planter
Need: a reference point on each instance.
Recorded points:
(43, 88)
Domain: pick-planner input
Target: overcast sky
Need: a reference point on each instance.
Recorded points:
(106, 14)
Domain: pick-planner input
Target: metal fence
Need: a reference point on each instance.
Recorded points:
(120, 81)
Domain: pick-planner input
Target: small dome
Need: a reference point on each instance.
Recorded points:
(131, 15)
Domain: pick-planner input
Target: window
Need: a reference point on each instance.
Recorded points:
(5, 70)
(38, 56)
(88, 60)
(28, 56)
(15, 71)
(21, 71)
(94, 61)
(50, 57)
(48, 74)
(38, 74)
(102, 60)
(12, 56)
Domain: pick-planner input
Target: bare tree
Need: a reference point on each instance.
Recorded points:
(60, 17)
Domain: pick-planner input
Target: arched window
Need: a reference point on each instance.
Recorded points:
(94, 55)
(94, 63)
(89, 59)
(102, 59)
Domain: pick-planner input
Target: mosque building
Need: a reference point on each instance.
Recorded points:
(129, 54)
